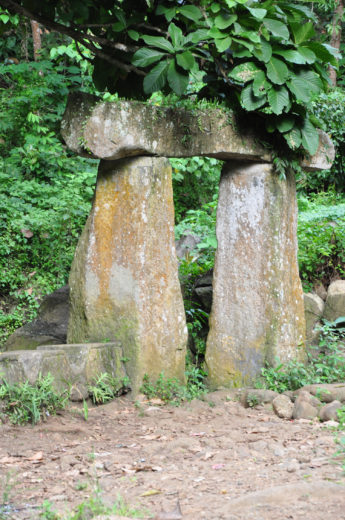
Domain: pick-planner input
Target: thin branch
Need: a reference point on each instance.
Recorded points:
(84, 39)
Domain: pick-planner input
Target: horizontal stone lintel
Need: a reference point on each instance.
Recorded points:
(115, 130)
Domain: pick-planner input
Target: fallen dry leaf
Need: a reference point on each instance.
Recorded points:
(150, 493)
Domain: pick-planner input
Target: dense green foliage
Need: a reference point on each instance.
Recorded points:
(258, 57)
(326, 367)
(24, 403)
(45, 193)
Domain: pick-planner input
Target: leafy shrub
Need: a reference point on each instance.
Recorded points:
(45, 192)
(23, 402)
(171, 391)
(107, 387)
(327, 367)
(321, 239)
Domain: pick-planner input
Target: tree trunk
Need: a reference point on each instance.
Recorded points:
(36, 36)
(336, 36)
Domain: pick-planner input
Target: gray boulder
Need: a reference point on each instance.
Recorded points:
(203, 290)
(186, 243)
(335, 302)
(329, 411)
(283, 406)
(305, 406)
(313, 310)
(50, 326)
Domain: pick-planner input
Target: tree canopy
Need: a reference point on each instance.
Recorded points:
(262, 57)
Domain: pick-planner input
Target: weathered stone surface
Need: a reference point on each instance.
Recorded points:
(88, 361)
(186, 243)
(325, 154)
(50, 326)
(124, 284)
(257, 313)
(304, 407)
(313, 310)
(257, 396)
(283, 406)
(327, 392)
(123, 129)
(26, 365)
(321, 291)
(335, 302)
(329, 411)
(203, 290)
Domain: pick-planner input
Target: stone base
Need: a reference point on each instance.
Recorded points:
(73, 367)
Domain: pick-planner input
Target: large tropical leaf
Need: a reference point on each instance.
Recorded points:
(302, 32)
(244, 72)
(177, 81)
(278, 98)
(308, 54)
(223, 21)
(185, 60)
(190, 11)
(285, 123)
(249, 101)
(260, 84)
(293, 138)
(263, 52)
(277, 71)
(310, 137)
(158, 41)
(176, 35)
(156, 78)
(291, 56)
(321, 51)
(223, 45)
(277, 28)
(146, 56)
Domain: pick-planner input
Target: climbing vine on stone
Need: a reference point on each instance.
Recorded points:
(258, 57)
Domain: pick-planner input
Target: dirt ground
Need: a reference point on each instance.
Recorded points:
(213, 458)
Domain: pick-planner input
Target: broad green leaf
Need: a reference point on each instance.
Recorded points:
(215, 7)
(277, 28)
(308, 54)
(156, 78)
(245, 44)
(145, 56)
(263, 52)
(321, 51)
(177, 81)
(301, 33)
(310, 137)
(214, 32)
(244, 72)
(242, 53)
(243, 33)
(285, 123)
(277, 71)
(291, 56)
(223, 21)
(258, 13)
(185, 60)
(223, 45)
(197, 36)
(260, 84)
(310, 79)
(158, 41)
(190, 11)
(278, 99)
(169, 12)
(249, 101)
(177, 37)
(134, 35)
(300, 89)
(293, 138)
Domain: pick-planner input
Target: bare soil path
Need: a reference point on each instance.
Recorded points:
(214, 458)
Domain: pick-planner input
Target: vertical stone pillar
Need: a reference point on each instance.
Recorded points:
(257, 313)
(124, 279)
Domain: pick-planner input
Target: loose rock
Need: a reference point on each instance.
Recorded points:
(283, 406)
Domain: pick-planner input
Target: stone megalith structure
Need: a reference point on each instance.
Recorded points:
(124, 283)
